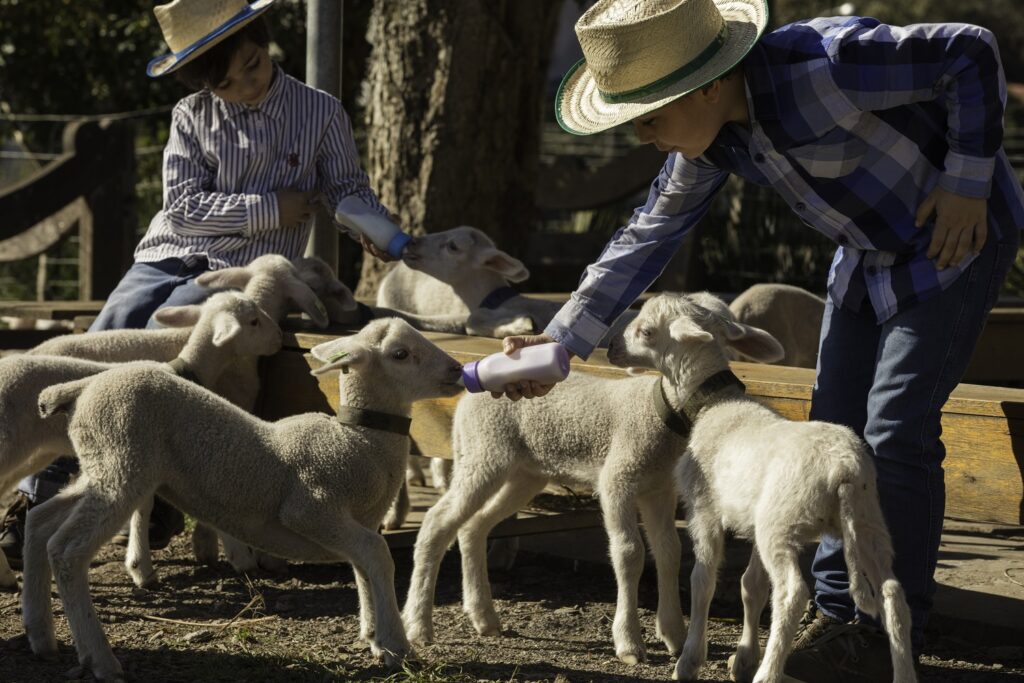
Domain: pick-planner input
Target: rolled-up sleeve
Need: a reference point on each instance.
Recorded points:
(637, 253)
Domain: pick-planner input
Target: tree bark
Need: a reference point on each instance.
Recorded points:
(454, 95)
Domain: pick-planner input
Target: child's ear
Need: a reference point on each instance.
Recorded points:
(178, 316)
(226, 278)
(342, 353)
(685, 329)
(225, 328)
(512, 269)
(753, 342)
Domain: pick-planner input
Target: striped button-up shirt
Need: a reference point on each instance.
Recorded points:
(224, 162)
(854, 123)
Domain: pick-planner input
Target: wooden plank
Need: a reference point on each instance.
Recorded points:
(997, 355)
(983, 427)
(51, 310)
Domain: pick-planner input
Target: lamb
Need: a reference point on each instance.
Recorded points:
(342, 308)
(777, 482)
(228, 325)
(275, 285)
(310, 487)
(790, 314)
(602, 433)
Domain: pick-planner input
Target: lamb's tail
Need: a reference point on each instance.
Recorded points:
(875, 590)
(60, 398)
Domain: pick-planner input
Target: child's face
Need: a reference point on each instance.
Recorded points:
(248, 77)
(688, 125)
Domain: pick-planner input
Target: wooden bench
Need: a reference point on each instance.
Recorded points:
(983, 427)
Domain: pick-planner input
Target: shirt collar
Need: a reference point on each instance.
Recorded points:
(272, 105)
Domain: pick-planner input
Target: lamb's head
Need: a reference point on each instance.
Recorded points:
(459, 253)
(391, 353)
(228, 318)
(273, 282)
(672, 328)
(335, 296)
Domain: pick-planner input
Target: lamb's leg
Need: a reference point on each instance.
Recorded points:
(708, 545)
(399, 510)
(441, 472)
(367, 618)
(789, 595)
(658, 511)
(626, 547)
(8, 581)
(414, 471)
(205, 546)
(754, 588)
(368, 552)
(477, 602)
(138, 559)
(91, 524)
(471, 488)
(244, 558)
(36, 608)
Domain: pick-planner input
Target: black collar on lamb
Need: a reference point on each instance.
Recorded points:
(497, 297)
(682, 422)
(386, 422)
(366, 313)
(179, 368)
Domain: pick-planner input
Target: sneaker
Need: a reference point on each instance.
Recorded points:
(12, 531)
(813, 625)
(848, 653)
(165, 522)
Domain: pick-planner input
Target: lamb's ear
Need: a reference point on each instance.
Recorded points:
(343, 353)
(226, 278)
(225, 328)
(512, 269)
(343, 295)
(178, 316)
(685, 329)
(753, 342)
(307, 301)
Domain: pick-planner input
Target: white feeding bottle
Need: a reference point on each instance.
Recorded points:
(543, 363)
(354, 213)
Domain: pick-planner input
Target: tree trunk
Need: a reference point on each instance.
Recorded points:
(454, 97)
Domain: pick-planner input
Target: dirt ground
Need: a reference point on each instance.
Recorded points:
(556, 617)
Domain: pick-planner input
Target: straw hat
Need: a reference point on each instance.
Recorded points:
(639, 55)
(191, 27)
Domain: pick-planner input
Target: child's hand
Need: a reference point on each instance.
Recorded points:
(529, 389)
(960, 225)
(372, 248)
(295, 207)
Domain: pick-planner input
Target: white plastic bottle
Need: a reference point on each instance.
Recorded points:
(544, 363)
(354, 213)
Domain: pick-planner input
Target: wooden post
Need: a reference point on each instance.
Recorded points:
(323, 70)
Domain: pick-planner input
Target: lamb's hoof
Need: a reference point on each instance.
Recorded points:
(486, 624)
(392, 522)
(631, 658)
(686, 669)
(741, 670)
(44, 646)
(394, 657)
(673, 638)
(148, 582)
(419, 635)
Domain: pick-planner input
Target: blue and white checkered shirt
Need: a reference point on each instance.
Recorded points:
(224, 162)
(854, 123)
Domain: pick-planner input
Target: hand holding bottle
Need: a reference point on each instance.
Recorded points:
(528, 388)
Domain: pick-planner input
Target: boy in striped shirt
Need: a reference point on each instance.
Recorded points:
(250, 152)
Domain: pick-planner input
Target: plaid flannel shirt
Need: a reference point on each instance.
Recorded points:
(854, 123)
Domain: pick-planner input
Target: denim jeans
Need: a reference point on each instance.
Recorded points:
(145, 288)
(888, 382)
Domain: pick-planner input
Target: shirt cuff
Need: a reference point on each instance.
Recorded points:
(968, 176)
(576, 329)
(261, 213)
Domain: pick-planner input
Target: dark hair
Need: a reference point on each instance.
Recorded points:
(210, 68)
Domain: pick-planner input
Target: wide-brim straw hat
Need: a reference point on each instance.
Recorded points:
(191, 27)
(639, 55)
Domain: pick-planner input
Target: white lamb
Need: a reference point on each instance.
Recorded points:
(276, 286)
(606, 434)
(790, 314)
(309, 487)
(776, 482)
(225, 327)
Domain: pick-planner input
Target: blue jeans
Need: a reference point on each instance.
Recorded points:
(888, 382)
(145, 288)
